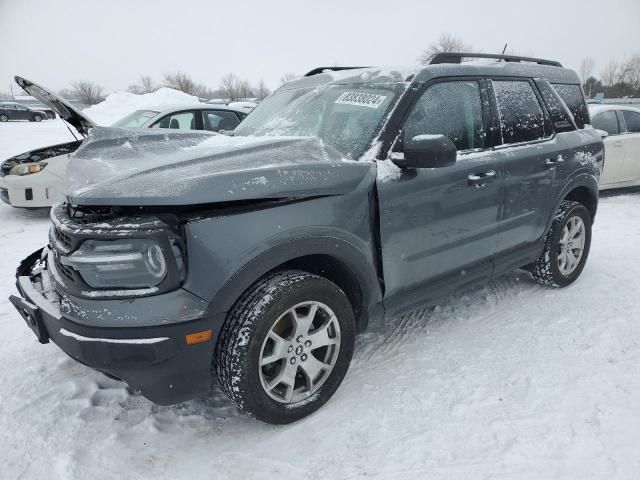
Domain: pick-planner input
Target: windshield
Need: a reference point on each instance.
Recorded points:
(345, 117)
(135, 119)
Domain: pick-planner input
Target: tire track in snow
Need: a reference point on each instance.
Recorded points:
(478, 304)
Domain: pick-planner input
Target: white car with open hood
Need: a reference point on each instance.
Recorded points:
(37, 178)
(622, 144)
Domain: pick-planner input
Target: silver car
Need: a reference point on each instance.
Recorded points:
(213, 118)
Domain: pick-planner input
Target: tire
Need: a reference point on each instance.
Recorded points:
(550, 269)
(246, 339)
(37, 118)
(4, 118)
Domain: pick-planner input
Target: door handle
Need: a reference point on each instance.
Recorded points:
(553, 162)
(480, 179)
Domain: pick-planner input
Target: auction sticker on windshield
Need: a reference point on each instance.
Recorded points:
(370, 100)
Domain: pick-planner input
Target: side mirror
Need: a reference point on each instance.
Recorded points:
(603, 133)
(427, 151)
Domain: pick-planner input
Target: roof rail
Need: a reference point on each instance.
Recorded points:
(318, 70)
(457, 58)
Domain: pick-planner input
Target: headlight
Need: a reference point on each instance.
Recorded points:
(131, 263)
(27, 168)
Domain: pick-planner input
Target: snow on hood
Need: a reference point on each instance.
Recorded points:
(120, 104)
(149, 167)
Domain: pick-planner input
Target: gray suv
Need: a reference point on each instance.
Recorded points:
(347, 195)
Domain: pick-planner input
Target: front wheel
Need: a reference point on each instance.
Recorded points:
(566, 247)
(286, 346)
(4, 118)
(37, 118)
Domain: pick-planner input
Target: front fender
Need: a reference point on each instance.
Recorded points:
(231, 250)
(361, 267)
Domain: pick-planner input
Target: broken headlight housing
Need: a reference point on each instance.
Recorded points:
(128, 263)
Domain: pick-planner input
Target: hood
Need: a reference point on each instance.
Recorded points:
(160, 168)
(67, 112)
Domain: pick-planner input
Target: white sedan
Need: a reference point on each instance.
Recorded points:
(622, 144)
(36, 179)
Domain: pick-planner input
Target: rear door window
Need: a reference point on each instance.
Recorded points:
(216, 120)
(521, 116)
(632, 120)
(572, 96)
(607, 121)
(180, 121)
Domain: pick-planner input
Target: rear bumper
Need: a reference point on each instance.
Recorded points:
(153, 360)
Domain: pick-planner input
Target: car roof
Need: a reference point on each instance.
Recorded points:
(164, 109)
(423, 73)
(603, 107)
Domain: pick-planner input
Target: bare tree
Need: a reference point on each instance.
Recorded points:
(180, 81)
(230, 85)
(586, 68)
(262, 91)
(288, 77)
(445, 43)
(610, 73)
(87, 92)
(633, 71)
(245, 90)
(67, 94)
(628, 71)
(147, 84)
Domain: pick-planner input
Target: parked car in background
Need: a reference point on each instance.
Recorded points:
(211, 117)
(15, 111)
(33, 104)
(344, 196)
(622, 144)
(35, 179)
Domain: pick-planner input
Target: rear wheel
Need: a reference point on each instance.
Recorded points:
(566, 247)
(37, 118)
(4, 118)
(286, 346)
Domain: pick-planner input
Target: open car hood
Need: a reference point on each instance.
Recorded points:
(122, 167)
(67, 112)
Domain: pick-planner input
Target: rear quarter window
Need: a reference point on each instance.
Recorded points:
(573, 98)
(607, 121)
(558, 111)
(632, 120)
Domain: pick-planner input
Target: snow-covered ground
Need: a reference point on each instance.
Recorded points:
(509, 380)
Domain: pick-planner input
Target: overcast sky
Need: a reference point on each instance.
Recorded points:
(112, 42)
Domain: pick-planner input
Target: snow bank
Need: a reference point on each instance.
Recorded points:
(119, 104)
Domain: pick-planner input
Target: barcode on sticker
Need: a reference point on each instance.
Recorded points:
(370, 100)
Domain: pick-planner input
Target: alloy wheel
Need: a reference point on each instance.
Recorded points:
(571, 246)
(299, 352)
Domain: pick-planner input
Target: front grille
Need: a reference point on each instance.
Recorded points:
(64, 239)
(85, 215)
(67, 272)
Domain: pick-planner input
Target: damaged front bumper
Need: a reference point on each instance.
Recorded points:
(154, 360)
